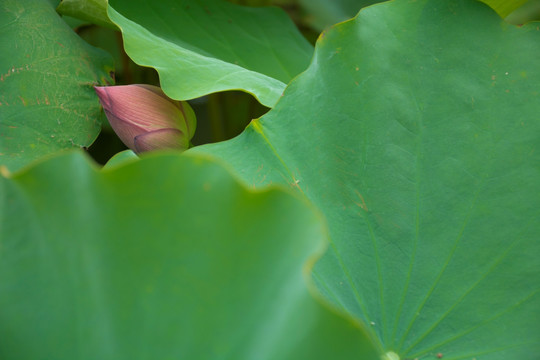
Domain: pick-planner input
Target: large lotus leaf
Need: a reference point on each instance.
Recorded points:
(168, 257)
(47, 73)
(416, 131)
(206, 46)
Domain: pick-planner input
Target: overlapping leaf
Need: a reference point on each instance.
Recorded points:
(167, 257)
(47, 73)
(416, 131)
(324, 13)
(201, 47)
(504, 7)
(94, 11)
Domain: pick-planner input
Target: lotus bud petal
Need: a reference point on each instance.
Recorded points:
(159, 139)
(145, 119)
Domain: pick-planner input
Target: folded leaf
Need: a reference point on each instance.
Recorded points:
(202, 47)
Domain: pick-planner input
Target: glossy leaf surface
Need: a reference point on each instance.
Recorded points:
(135, 263)
(47, 72)
(415, 130)
(202, 47)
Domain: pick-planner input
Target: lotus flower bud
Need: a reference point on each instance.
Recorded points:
(145, 119)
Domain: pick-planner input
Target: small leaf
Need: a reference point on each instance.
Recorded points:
(123, 157)
(94, 11)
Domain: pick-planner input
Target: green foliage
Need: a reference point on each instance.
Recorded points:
(47, 102)
(410, 158)
(146, 277)
(505, 7)
(251, 49)
(94, 11)
(408, 147)
(326, 13)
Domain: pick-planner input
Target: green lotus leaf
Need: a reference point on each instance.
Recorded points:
(94, 11)
(47, 74)
(415, 130)
(132, 264)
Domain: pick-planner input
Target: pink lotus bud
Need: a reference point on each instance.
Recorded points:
(145, 119)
